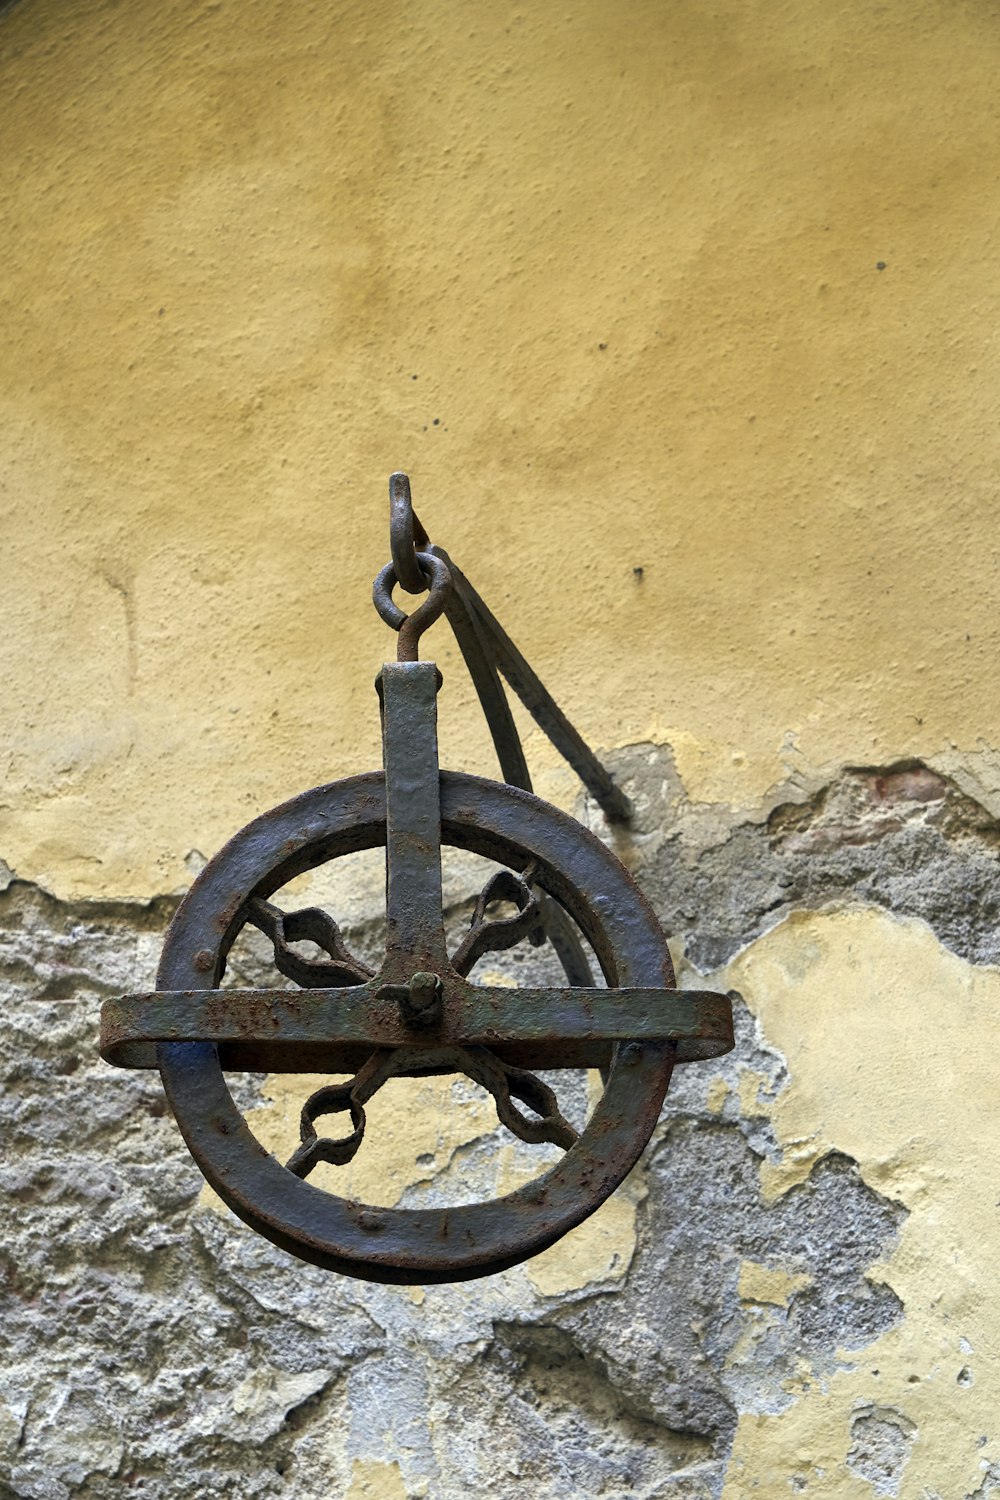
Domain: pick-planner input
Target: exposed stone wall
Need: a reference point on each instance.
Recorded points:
(900, 837)
(153, 1345)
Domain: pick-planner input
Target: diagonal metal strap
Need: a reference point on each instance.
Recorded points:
(487, 647)
(474, 644)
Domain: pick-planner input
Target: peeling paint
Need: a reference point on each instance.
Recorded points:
(760, 1283)
(886, 1002)
(373, 1480)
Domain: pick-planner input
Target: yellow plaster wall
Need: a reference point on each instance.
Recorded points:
(605, 279)
(602, 277)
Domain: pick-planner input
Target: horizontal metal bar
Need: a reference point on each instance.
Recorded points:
(298, 1031)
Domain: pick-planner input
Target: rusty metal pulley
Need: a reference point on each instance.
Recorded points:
(422, 1013)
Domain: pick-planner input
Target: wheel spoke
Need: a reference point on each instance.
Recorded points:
(493, 934)
(503, 1082)
(313, 925)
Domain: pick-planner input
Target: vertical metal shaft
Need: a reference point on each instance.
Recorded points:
(415, 929)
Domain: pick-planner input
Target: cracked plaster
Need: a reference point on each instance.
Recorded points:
(800, 1221)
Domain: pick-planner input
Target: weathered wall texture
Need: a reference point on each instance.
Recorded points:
(681, 317)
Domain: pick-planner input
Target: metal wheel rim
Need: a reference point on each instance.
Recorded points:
(416, 1246)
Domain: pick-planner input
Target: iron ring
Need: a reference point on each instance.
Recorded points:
(406, 535)
(436, 576)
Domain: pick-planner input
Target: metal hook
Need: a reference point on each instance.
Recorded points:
(435, 576)
(406, 535)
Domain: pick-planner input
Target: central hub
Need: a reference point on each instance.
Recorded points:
(419, 1001)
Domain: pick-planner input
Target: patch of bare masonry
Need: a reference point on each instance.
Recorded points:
(901, 837)
(881, 1439)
